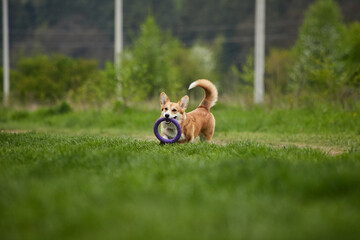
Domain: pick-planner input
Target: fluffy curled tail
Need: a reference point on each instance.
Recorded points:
(211, 93)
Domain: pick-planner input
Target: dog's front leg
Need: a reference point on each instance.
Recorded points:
(165, 137)
(182, 138)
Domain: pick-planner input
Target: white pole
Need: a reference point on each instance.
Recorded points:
(118, 45)
(259, 51)
(6, 53)
(118, 30)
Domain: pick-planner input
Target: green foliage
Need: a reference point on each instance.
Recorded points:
(319, 49)
(246, 75)
(324, 64)
(98, 89)
(324, 61)
(352, 55)
(49, 79)
(157, 62)
(239, 84)
(199, 62)
(45, 79)
(277, 67)
(321, 31)
(19, 115)
(59, 109)
(1, 83)
(149, 67)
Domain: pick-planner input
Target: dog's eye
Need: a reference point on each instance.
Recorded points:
(174, 110)
(165, 109)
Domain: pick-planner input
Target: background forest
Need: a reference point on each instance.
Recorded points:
(63, 51)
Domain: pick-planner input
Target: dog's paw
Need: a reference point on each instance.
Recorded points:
(182, 138)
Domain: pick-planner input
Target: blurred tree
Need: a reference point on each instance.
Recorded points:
(277, 68)
(351, 73)
(352, 55)
(84, 28)
(157, 62)
(148, 68)
(319, 48)
(245, 75)
(325, 58)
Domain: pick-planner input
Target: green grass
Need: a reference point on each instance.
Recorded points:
(324, 128)
(228, 120)
(269, 174)
(81, 187)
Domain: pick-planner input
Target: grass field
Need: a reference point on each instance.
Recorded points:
(269, 174)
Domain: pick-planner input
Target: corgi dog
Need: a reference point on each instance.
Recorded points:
(199, 122)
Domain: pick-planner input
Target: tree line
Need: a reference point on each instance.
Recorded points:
(323, 63)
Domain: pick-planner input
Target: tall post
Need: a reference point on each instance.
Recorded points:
(259, 51)
(6, 53)
(118, 30)
(118, 44)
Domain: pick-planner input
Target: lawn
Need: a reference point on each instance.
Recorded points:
(269, 174)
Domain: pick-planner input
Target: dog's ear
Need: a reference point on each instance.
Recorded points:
(163, 99)
(184, 101)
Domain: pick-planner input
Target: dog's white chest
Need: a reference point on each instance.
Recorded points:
(169, 130)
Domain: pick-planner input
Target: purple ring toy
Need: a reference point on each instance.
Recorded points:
(178, 127)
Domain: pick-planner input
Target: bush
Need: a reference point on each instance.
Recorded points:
(18, 115)
(62, 108)
(48, 79)
(97, 90)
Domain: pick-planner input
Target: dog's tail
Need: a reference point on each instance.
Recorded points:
(211, 93)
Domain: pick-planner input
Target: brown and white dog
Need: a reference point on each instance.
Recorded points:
(200, 122)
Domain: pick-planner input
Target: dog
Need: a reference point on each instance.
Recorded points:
(199, 122)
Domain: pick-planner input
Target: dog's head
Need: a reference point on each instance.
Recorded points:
(172, 109)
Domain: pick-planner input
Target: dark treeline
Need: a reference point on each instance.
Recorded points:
(84, 28)
(63, 51)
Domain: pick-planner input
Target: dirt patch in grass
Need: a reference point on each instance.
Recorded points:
(14, 131)
(330, 150)
(270, 142)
